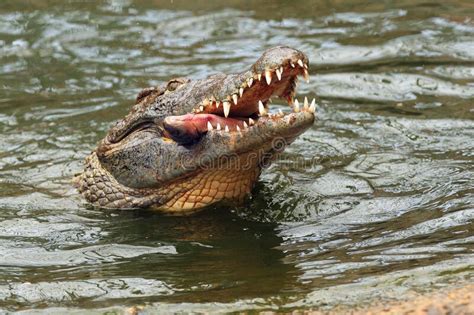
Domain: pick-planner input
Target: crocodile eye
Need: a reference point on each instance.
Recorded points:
(172, 86)
(175, 84)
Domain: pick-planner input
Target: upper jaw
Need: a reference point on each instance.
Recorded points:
(274, 74)
(235, 103)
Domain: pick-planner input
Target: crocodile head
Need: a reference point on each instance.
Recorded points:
(188, 144)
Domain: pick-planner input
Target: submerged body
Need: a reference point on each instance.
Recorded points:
(188, 144)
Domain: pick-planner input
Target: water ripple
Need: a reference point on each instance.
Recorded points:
(375, 200)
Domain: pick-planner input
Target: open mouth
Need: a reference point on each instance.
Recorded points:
(245, 107)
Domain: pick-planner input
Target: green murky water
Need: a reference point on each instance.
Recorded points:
(380, 202)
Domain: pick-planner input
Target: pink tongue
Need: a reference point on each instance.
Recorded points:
(193, 122)
(188, 128)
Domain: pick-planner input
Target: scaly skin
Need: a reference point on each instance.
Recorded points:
(186, 144)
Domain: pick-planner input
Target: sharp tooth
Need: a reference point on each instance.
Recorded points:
(218, 127)
(306, 103)
(305, 66)
(241, 92)
(217, 104)
(270, 100)
(296, 107)
(292, 64)
(281, 70)
(245, 125)
(209, 126)
(201, 108)
(312, 107)
(300, 62)
(226, 108)
(250, 82)
(226, 128)
(280, 112)
(278, 73)
(268, 76)
(306, 75)
(259, 76)
(261, 109)
(251, 122)
(238, 128)
(235, 98)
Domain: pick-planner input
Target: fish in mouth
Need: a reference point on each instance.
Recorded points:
(188, 144)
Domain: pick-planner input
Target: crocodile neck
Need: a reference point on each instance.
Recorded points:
(99, 187)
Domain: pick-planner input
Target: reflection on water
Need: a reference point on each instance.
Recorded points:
(376, 199)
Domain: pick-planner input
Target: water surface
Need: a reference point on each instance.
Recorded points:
(376, 200)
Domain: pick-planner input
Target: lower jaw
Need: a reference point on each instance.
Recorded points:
(195, 125)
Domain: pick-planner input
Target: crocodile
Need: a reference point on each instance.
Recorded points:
(187, 144)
